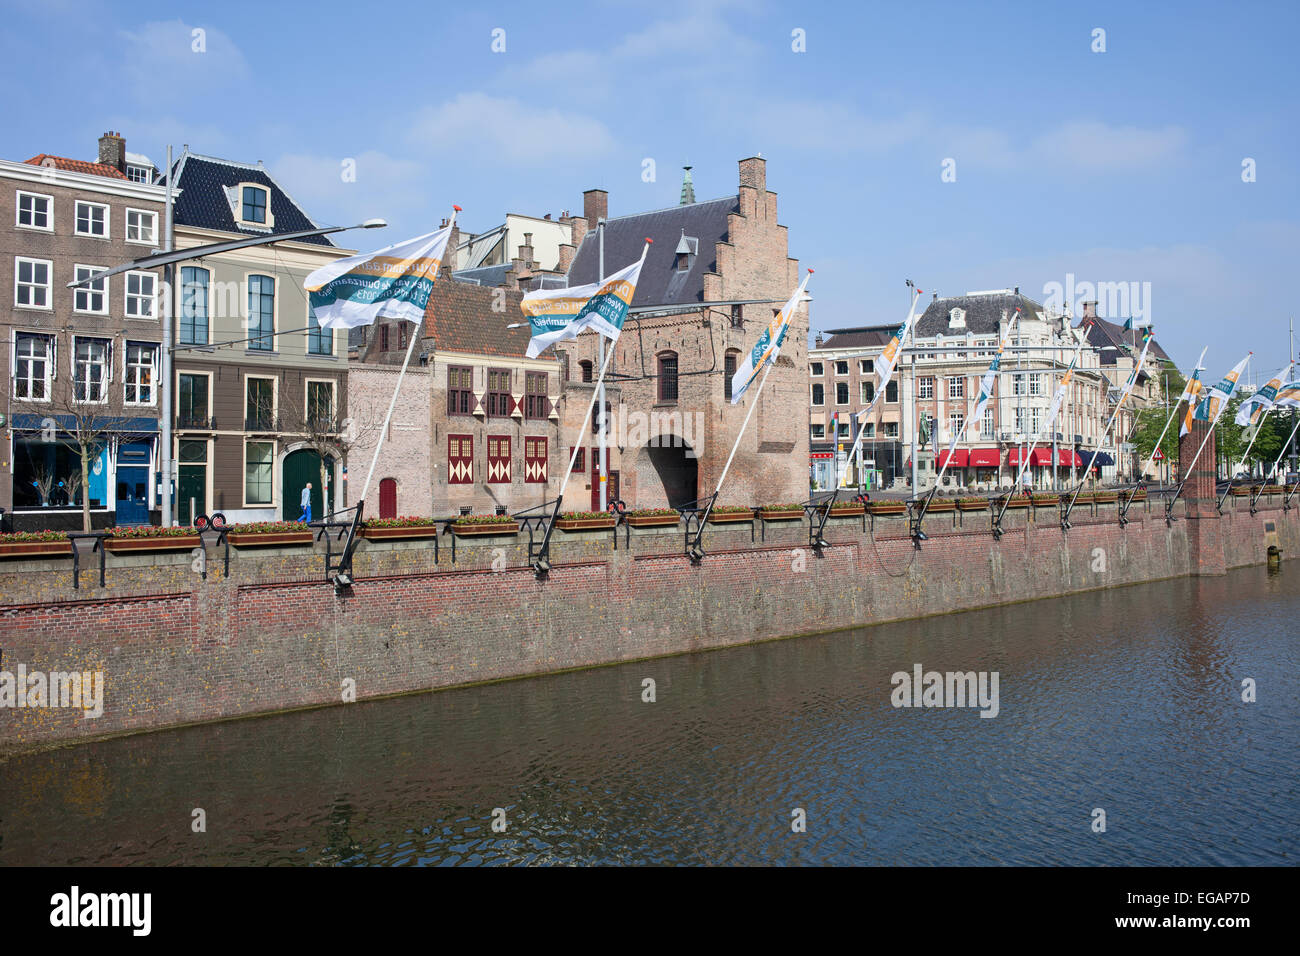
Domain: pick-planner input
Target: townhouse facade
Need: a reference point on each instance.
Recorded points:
(938, 379)
(260, 390)
(81, 364)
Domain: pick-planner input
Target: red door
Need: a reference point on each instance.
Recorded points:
(388, 498)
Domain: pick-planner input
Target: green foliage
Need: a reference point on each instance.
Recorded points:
(1151, 420)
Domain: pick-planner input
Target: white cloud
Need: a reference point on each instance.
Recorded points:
(160, 62)
(499, 130)
(383, 185)
(1095, 145)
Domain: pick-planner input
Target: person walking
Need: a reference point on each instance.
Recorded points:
(306, 504)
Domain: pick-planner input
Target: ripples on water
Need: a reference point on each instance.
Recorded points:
(1127, 700)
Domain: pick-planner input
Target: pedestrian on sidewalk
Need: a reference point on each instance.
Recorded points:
(306, 504)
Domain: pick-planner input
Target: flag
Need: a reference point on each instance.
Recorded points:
(1062, 388)
(1288, 396)
(1211, 406)
(394, 282)
(1132, 376)
(1191, 395)
(985, 392)
(1253, 408)
(768, 346)
(555, 315)
(884, 365)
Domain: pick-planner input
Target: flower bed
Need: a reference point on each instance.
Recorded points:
(149, 538)
(1241, 491)
(27, 543)
(1017, 501)
(938, 505)
(1274, 490)
(730, 514)
(883, 508)
(653, 517)
(1046, 501)
(470, 526)
(783, 512)
(1105, 497)
(387, 529)
(585, 521)
(262, 534)
(972, 504)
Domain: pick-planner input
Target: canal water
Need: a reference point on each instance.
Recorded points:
(1127, 701)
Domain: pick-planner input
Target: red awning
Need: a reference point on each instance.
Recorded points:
(1039, 456)
(1068, 457)
(985, 457)
(959, 458)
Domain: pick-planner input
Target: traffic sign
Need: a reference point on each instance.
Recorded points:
(1158, 456)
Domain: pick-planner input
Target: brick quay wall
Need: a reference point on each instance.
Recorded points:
(177, 649)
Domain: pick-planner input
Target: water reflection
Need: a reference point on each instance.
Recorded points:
(1126, 699)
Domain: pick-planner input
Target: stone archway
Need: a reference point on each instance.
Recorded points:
(667, 474)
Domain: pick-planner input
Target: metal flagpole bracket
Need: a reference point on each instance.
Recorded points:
(818, 510)
(696, 516)
(1126, 503)
(534, 520)
(917, 516)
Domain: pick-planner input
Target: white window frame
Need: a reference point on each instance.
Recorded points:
(891, 429)
(811, 393)
(106, 376)
(129, 296)
(76, 219)
(143, 213)
(49, 210)
(50, 359)
(956, 422)
(813, 374)
(848, 395)
(48, 285)
(239, 207)
(153, 349)
(1035, 383)
(306, 396)
(815, 425)
(956, 387)
(274, 468)
(838, 363)
(99, 287)
(862, 392)
(866, 366)
(987, 429)
(925, 386)
(275, 314)
(275, 396)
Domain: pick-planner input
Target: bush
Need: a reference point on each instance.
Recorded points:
(148, 531)
(792, 506)
(652, 513)
(268, 527)
(407, 522)
(485, 519)
(23, 537)
(583, 515)
(732, 509)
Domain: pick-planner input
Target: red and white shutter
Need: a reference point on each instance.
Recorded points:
(460, 459)
(498, 459)
(535, 461)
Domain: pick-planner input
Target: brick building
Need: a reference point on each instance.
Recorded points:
(67, 351)
(717, 273)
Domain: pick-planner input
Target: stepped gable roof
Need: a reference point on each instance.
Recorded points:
(660, 282)
(983, 313)
(203, 202)
(76, 166)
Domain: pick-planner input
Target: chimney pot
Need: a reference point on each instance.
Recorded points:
(595, 206)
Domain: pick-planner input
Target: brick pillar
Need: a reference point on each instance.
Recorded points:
(1204, 527)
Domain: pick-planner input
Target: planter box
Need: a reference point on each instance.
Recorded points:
(1240, 491)
(182, 542)
(1105, 497)
(248, 539)
(1018, 501)
(585, 524)
(653, 521)
(848, 511)
(730, 517)
(937, 506)
(883, 509)
(389, 534)
(1274, 490)
(972, 506)
(1051, 502)
(781, 515)
(485, 530)
(24, 549)
(1140, 496)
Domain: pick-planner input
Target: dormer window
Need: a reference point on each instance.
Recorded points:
(254, 203)
(957, 319)
(685, 252)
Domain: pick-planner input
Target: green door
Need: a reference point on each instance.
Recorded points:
(192, 482)
(300, 467)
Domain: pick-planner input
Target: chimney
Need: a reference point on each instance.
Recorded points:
(453, 245)
(753, 172)
(112, 151)
(1090, 310)
(817, 342)
(578, 228)
(595, 206)
(526, 250)
(567, 251)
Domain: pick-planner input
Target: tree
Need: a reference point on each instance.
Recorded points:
(83, 415)
(1151, 420)
(324, 429)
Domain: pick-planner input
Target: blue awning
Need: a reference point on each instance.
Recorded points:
(24, 421)
(1102, 459)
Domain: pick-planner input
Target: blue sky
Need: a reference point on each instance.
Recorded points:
(1122, 166)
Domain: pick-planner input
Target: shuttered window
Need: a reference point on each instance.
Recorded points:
(460, 459)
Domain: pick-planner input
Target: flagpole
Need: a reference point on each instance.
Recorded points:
(1172, 415)
(1169, 505)
(392, 403)
(1244, 455)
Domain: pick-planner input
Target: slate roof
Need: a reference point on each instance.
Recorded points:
(868, 336)
(660, 282)
(1103, 332)
(76, 166)
(202, 202)
(983, 313)
(483, 275)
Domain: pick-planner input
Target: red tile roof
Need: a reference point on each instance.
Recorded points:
(76, 166)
